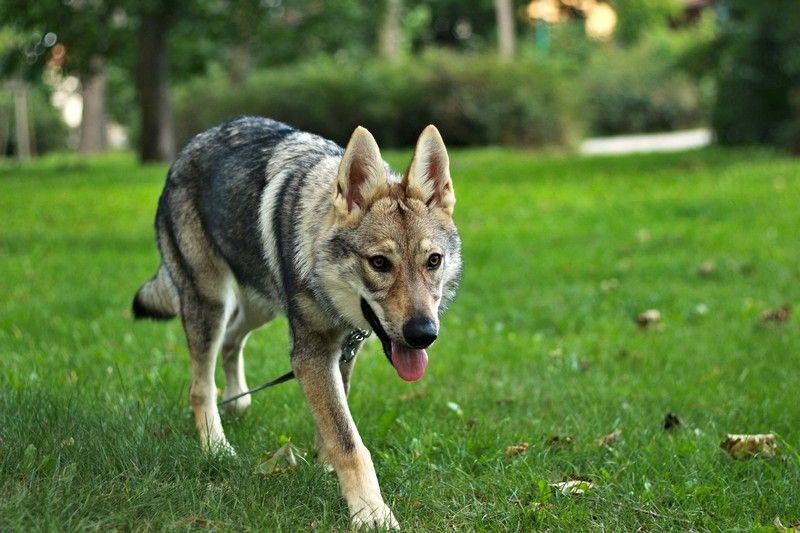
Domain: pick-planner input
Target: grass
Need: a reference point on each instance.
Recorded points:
(561, 254)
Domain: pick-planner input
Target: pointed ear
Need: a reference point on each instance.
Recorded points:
(428, 177)
(361, 174)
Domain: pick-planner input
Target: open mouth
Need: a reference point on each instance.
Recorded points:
(410, 363)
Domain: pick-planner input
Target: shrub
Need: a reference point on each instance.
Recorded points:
(758, 74)
(640, 89)
(474, 99)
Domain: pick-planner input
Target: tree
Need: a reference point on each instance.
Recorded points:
(157, 136)
(506, 37)
(758, 74)
(90, 34)
(20, 64)
(390, 35)
(636, 17)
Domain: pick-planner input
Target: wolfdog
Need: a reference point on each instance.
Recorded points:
(258, 218)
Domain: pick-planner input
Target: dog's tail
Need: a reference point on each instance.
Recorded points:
(157, 299)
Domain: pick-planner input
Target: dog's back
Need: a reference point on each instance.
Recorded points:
(226, 188)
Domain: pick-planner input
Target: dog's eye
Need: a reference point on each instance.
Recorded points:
(434, 260)
(380, 263)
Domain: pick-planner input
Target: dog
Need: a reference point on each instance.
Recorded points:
(257, 218)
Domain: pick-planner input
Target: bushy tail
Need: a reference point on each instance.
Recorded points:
(157, 299)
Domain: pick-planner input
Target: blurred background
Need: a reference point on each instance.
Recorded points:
(97, 75)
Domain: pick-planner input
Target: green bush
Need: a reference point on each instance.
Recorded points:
(758, 74)
(474, 99)
(640, 89)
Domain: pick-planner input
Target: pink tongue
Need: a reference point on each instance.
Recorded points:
(410, 363)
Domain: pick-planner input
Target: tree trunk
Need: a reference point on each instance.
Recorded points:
(93, 117)
(22, 127)
(390, 34)
(240, 64)
(506, 38)
(156, 142)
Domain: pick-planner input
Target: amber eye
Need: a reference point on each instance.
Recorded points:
(434, 261)
(380, 263)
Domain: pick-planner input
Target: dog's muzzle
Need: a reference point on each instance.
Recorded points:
(408, 360)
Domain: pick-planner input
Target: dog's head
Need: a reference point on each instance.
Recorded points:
(392, 258)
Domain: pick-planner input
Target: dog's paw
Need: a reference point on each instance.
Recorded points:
(220, 447)
(377, 516)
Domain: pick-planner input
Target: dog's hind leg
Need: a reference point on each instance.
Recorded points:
(244, 319)
(204, 322)
(205, 287)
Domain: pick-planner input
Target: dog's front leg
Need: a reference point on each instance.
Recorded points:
(315, 363)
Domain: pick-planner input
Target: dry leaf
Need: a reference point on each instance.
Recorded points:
(779, 315)
(741, 446)
(648, 318)
(707, 268)
(573, 487)
(284, 458)
(165, 432)
(413, 394)
(556, 441)
(791, 528)
(609, 439)
(671, 421)
(193, 520)
(608, 285)
(516, 449)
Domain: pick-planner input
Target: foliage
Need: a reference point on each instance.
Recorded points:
(637, 18)
(89, 29)
(474, 99)
(758, 74)
(561, 254)
(641, 88)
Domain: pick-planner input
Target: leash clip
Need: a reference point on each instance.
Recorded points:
(351, 344)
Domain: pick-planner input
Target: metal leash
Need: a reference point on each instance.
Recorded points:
(349, 349)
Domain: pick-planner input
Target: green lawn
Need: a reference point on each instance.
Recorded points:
(561, 254)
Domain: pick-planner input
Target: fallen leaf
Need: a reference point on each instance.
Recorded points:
(164, 433)
(413, 394)
(557, 441)
(608, 285)
(516, 449)
(741, 446)
(573, 487)
(707, 268)
(671, 421)
(791, 528)
(611, 438)
(779, 315)
(284, 458)
(648, 318)
(193, 520)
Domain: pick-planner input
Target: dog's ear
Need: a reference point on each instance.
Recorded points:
(361, 175)
(428, 177)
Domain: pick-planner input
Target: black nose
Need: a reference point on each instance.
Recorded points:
(419, 332)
